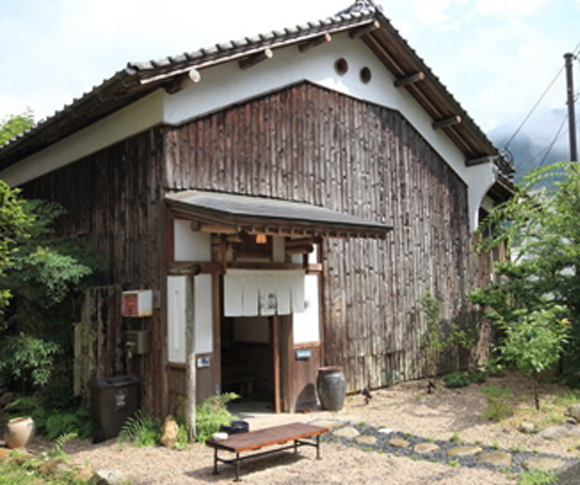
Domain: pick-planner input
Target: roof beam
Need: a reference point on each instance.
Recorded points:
(446, 122)
(255, 59)
(355, 34)
(183, 81)
(312, 43)
(411, 79)
(481, 160)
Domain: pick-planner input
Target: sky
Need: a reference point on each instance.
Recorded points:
(497, 57)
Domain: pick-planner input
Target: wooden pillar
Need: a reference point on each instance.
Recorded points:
(190, 371)
(276, 363)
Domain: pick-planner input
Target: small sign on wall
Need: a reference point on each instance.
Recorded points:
(137, 303)
(303, 354)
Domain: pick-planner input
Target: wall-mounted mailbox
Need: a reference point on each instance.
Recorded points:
(303, 354)
(138, 341)
(137, 303)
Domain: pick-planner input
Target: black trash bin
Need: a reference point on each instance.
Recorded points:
(113, 400)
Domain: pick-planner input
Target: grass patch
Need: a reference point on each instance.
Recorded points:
(535, 477)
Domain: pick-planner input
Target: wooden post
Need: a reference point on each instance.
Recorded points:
(190, 372)
(276, 357)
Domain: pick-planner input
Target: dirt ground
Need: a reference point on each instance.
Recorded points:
(445, 414)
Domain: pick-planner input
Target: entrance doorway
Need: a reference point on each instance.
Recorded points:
(253, 359)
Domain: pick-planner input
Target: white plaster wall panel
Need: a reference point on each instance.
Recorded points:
(224, 85)
(177, 319)
(176, 289)
(227, 84)
(481, 180)
(203, 314)
(190, 245)
(307, 324)
(121, 125)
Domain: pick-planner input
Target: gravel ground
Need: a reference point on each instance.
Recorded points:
(406, 409)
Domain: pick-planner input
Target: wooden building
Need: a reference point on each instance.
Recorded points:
(287, 199)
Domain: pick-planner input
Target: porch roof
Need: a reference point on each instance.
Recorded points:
(242, 213)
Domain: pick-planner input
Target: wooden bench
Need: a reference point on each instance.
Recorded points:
(299, 433)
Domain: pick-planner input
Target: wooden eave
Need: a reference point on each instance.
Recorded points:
(403, 62)
(374, 29)
(232, 213)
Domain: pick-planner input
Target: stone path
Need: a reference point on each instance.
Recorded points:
(456, 454)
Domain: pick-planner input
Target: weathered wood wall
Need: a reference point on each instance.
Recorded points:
(312, 145)
(305, 144)
(98, 339)
(114, 198)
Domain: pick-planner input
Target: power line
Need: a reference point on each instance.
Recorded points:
(558, 134)
(534, 107)
(546, 151)
(506, 146)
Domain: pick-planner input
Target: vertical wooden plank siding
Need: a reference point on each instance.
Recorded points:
(114, 200)
(312, 145)
(305, 144)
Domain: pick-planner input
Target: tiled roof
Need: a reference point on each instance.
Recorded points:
(141, 78)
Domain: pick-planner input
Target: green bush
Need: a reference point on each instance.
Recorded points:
(213, 413)
(78, 423)
(141, 429)
(463, 379)
(457, 379)
(498, 403)
(51, 422)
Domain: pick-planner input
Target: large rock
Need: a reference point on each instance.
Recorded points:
(425, 448)
(169, 432)
(399, 443)
(497, 458)
(528, 428)
(366, 440)
(348, 432)
(544, 464)
(109, 477)
(468, 450)
(574, 412)
(570, 475)
(565, 430)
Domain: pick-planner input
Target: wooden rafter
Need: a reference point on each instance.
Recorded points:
(411, 79)
(255, 59)
(355, 34)
(445, 122)
(312, 43)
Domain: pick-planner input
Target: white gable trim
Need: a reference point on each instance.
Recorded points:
(226, 84)
(129, 121)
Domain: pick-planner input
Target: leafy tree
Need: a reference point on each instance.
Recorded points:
(15, 222)
(14, 125)
(45, 277)
(15, 219)
(535, 304)
(39, 279)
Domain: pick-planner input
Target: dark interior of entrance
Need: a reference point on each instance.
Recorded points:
(246, 357)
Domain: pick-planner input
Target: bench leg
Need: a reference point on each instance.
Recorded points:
(318, 447)
(238, 462)
(215, 461)
(295, 447)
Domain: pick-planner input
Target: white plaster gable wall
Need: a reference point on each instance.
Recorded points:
(226, 84)
(119, 126)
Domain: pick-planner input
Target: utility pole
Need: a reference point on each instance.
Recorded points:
(570, 101)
